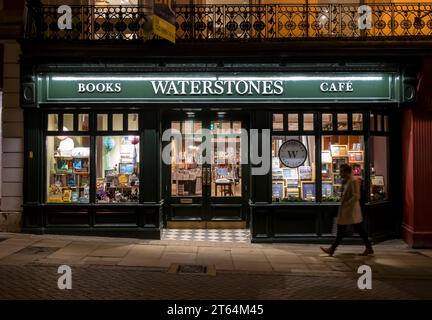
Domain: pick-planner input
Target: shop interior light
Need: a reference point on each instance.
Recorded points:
(84, 78)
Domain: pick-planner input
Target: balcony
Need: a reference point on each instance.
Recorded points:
(275, 22)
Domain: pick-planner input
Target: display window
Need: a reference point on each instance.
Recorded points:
(68, 169)
(335, 151)
(76, 145)
(117, 169)
(342, 140)
(289, 183)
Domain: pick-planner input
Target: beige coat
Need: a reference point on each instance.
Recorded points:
(349, 211)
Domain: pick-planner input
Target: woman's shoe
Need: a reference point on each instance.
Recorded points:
(329, 251)
(367, 252)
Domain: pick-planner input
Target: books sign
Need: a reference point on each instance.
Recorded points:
(292, 153)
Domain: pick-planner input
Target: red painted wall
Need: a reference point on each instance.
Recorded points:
(417, 165)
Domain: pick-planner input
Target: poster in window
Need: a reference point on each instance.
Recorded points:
(305, 173)
(308, 190)
(277, 190)
(327, 189)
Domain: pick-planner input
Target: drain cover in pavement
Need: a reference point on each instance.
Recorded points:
(192, 269)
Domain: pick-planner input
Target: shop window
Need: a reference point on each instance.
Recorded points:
(133, 121)
(342, 121)
(378, 167)
(296, 183)
(186, 167)
(337, 150)
(68, 122)
(327, 122)
(117, 122)
(83, 122)
(68, 169)
(357, 121)
(308, 122)
(226, 177)
(278, 122)
(102, 122)
(293, 122)
(52, 122)
(117, 169)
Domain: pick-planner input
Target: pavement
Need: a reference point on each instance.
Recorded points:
(118, 268)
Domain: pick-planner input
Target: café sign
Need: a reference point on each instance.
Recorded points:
(222, 87)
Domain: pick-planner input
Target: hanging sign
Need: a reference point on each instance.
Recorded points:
(292, 153)
(164, 19)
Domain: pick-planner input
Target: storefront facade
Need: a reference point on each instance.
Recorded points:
(95, 142)
(115, 124)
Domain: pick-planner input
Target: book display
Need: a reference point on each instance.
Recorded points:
(118, 170)
(292, 184)
(69, 173)
(338, 150)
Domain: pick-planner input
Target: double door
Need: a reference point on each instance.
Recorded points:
(205, 168)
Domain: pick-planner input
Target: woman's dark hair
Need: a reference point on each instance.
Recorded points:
(345, 167)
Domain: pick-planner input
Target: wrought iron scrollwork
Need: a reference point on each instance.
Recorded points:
(236, 22)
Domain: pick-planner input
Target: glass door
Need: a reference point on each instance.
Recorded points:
(204, 177)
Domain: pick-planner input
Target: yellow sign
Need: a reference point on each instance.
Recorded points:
(164, 20)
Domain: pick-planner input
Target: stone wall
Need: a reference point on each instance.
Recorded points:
(12, 141)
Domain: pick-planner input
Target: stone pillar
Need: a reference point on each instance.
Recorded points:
(12, 141)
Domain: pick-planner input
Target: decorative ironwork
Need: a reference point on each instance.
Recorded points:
(235, 22)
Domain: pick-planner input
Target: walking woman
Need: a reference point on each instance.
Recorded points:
(349, 212)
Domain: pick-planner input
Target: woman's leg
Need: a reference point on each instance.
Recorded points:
(341, 229)
(360, 230)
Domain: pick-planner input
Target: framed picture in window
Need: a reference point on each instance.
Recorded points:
(308, 190)
(377, 181)
(327, 189)
(326, 156)
(277, 190)
(126, 168)
(339, 150)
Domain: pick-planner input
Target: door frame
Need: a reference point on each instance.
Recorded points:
(205, 210)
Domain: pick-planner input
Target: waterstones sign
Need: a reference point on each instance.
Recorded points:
(239, 87)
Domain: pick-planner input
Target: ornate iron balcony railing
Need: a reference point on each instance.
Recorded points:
(236, 22)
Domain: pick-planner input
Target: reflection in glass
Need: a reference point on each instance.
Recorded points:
(117, 169)
(186, 168)
(293, 184)
(226, 164)
(68, 169)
